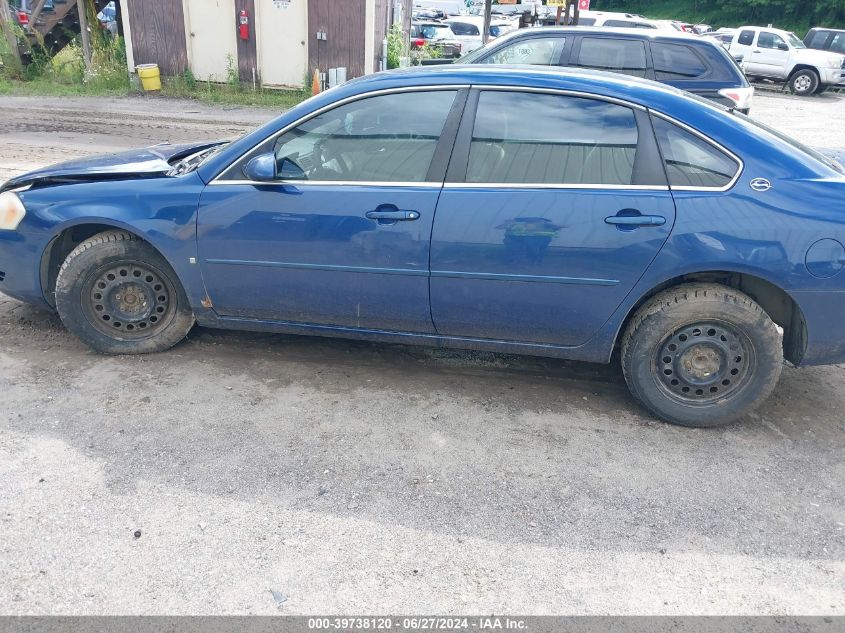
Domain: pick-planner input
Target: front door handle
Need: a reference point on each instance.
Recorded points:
(392, 215)
(634, 221)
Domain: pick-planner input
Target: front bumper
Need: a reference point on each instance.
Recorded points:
(20, 261)
(830, 76)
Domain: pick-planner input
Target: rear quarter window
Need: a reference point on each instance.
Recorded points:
(690, 160)
(676, 61)
(746, 38)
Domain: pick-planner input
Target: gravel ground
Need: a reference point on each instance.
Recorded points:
(248, 473)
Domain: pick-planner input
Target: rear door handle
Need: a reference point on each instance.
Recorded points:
(633, 221)
(393, 215)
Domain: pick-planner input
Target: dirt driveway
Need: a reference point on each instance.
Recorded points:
(243, 473)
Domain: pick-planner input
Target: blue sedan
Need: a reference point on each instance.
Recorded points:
(557, 213)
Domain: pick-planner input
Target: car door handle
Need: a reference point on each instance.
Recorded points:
(633, 221)
(393, 215)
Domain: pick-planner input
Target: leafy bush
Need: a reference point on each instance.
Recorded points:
(397, 45)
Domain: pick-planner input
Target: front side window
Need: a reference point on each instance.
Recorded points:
(838, 43)
(770, 40)
(530, 138)
(387, 138)
(674, 61)
(620, 56)
(691, 161)
(746, 38)
(537, 51)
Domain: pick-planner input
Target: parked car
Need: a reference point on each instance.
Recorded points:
(702, 29)
(827, 40)
(780, 56)
(685, 61)
(622, 214)
(438, 36)
(723, 36)
(467, 30)
(607, 18)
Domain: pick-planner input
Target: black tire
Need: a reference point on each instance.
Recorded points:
(701, 355)
(120, 296)
(804, 82)
(821, 89)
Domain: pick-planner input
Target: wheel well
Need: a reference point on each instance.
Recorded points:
(60, 247)
(801, 67)
(780, 307)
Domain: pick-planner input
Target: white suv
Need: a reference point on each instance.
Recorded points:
(779, 55)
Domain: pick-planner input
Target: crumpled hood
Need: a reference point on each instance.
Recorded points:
(138, 163)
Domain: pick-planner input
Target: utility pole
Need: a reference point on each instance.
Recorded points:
(11, 38)
(488, 9)
(83, 29)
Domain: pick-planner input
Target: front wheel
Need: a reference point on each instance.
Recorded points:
(120, 296)
(804, 82)
(701, 355)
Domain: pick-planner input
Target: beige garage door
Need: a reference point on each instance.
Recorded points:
(213, 39)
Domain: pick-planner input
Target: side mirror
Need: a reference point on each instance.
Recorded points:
(262, 168)
(783, 47)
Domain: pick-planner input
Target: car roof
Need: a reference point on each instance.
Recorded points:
(644, 34)
(560, 78)
(825, 28)
(476, 19)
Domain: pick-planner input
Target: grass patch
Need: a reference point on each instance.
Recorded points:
(230, 93)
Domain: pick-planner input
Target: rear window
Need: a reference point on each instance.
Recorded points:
(435, 32)
(746, 38)
(586, 21)
(675, 61)
(620, 56)
(462, 28)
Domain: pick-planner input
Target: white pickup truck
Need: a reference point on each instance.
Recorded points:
(778, 55)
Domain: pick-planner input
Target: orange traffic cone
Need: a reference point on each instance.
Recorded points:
(315, 82)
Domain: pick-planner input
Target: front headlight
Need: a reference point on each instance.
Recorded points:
(834, 61)
(12, 211)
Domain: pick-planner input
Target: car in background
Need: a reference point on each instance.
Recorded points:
(438, 36)
(723, 36)
(467, 30)
(686, 61)
(606, 18)
(622, 219)
(780, 56)
(701, 29)
(827, 40)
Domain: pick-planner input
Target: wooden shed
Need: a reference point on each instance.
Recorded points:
(286, 39)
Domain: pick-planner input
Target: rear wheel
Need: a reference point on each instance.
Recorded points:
(701, 355)
(120, 296)
(804, 82)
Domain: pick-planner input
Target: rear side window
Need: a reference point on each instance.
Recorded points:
(581, 141)
(675, 61)
(691, 161)
(462, 28)
(620, 56)
(537, 51)
(746, 38)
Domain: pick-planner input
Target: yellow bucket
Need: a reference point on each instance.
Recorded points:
(150, 78)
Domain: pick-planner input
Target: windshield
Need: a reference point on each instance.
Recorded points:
(435, 32)
(794, 41)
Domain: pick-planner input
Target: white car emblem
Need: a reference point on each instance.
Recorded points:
(760, 184)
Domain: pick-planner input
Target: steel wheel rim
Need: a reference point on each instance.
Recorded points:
(802, 83)
(128, 300)
(703, 363)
